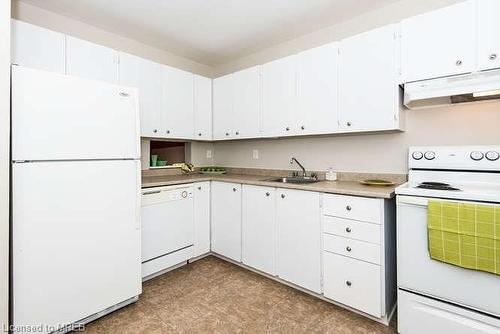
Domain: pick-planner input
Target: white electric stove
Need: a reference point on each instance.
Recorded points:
(436, 297)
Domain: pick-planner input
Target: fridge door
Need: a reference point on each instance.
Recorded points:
(75, 239)
(59, 117)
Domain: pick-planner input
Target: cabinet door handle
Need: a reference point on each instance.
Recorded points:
(237, 133)
(349, 123)
(459, 62)
(155, 130)
(267, 194)
(348, 283)
(302, 127)
(282, 195)
(123, 94)
(348, 249)
(493, 56)
(234, 189)
(168, 131)
(199, 188)
(348, 208)
(199, 134)
(227, 133)
(287, 128)
(348, 229)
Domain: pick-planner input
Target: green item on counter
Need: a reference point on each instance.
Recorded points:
(154, 159)
(161, 163)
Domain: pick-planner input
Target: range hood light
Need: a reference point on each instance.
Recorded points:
(486, 93)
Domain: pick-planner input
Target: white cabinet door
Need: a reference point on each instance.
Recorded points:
(37, 47)
(489, 26)
(202, 108)
(317, 72)
(91, 61)
(246, 105)
(177, 103)
(299, 238)
(146, 76)
(439, 43)
(201, 218)
(226, 219)
(223, 107)
(368, 87)
(279, 88)
(259, 228)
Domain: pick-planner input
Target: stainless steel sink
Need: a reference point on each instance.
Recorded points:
(294, 179)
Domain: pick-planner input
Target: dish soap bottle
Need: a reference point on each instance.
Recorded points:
(331, 175)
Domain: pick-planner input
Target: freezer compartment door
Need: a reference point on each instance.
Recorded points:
(60, 117)
(76, 239)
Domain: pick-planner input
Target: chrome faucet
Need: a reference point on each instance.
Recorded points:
(304, 174)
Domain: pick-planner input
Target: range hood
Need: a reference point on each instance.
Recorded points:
(466, 88)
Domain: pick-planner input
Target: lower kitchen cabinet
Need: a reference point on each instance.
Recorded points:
(298, 217)
(352, 282)
(259, 228)
(201, 193)
(359, 263)
(226, 219)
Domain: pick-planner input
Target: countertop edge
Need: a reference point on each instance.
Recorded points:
(310, 187)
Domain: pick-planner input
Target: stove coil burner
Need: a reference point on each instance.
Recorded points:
(436, 186)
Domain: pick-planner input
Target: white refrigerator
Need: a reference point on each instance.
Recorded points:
(75, 199)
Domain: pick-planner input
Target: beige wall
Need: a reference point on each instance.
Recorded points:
(35, 15)
(4, 158)
(383, 152)
(390, 14)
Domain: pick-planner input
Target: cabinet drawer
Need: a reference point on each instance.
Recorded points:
(352, 248)
(352, 229)
(353, 283)
(351, 207)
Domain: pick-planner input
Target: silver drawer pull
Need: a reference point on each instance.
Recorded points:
(199, 188)
(348, 249)
(348, 208)
(348, 283)
(123, 94)
(348, 229)
(493, 56)
(234, 189)
(152, 192)
(267, 194)
(282, 195)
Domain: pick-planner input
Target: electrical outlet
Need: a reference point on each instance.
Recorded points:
(209, 154)
(256, 154)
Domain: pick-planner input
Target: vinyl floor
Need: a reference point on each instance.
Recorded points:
(214, 296)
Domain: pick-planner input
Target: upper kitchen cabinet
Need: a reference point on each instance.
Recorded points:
(92, 61)
(440, 43)
(177, 103)
(36, 47)
(279, 88)
(147, 77)
(202, 108)
(223, 90)
(246, 102)
(369, 97)
(237, 105)
(488, 28)
(317, 75)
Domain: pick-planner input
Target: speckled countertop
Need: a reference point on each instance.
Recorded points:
(334, 187)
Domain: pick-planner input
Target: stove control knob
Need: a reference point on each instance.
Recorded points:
(476, 155)
(492, 155)
(417, 155)
(430, 155)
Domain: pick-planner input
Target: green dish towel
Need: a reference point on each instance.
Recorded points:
(465, 235)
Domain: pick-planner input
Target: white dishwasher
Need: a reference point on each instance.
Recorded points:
(167, 217)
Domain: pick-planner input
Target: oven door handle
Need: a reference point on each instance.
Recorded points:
(415, 201)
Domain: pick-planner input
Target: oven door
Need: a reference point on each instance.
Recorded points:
(418, 272)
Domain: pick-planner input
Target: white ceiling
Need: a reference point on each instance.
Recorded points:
(211, 32)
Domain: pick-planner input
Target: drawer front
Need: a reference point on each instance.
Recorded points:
(352, 207)
(352, 248)
(352, 229)
(353, 283)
